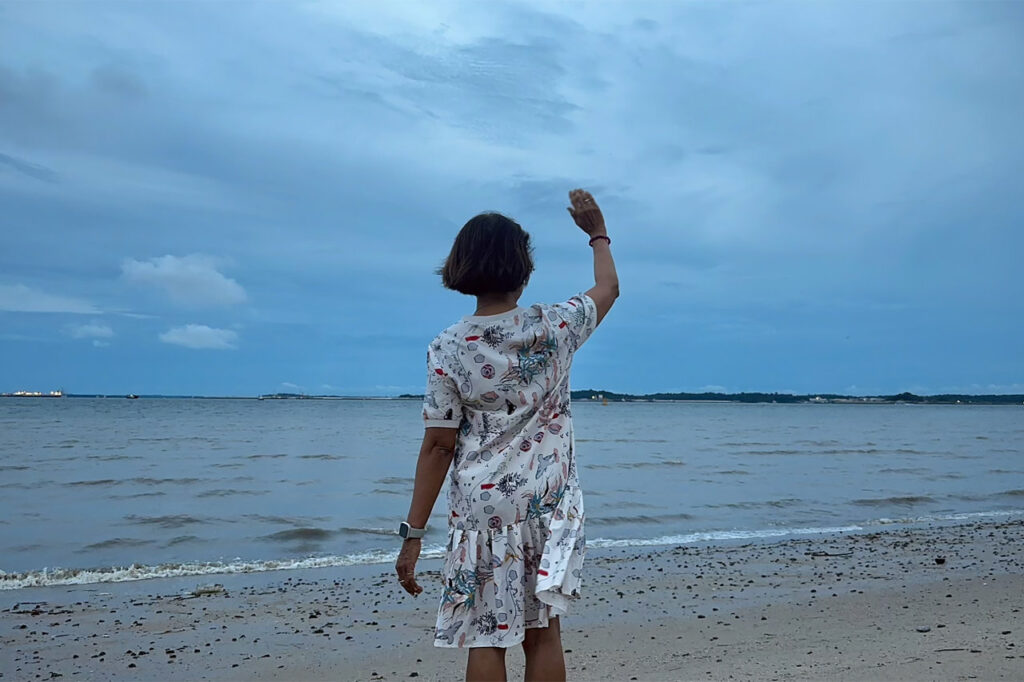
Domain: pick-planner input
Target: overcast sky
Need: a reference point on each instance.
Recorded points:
(241, 198)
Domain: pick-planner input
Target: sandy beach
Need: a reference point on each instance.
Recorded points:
(928, 603)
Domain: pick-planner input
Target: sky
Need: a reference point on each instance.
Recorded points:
(235, 198)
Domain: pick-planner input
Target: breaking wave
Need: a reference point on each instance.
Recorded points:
(61, 576)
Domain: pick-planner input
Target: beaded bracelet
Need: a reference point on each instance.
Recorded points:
(600, 236)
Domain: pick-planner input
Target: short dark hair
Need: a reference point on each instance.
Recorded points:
(491, 255)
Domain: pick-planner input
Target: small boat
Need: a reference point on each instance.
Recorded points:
(132, 396)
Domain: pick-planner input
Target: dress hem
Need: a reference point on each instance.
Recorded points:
(440, 644)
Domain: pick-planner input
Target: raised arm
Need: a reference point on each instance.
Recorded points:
(588, 217)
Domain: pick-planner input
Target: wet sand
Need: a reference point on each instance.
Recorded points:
(926, 603)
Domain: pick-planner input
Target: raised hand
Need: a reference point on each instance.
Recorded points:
(586, 213)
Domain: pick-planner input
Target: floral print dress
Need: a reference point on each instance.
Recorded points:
(516, 542)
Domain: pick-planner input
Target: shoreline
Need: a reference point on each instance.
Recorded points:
(15, 582)
(844, 605)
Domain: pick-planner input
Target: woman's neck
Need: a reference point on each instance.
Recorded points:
(496, 304)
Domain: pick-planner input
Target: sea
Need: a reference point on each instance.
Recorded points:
(104, 490)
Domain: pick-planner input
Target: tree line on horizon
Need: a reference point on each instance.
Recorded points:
(756, 397)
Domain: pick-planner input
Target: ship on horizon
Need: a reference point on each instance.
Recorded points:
(59, 393)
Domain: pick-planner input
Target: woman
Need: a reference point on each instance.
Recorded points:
(497, 411)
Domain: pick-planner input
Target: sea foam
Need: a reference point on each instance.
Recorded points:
(116, 574)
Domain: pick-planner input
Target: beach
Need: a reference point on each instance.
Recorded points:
(940, 601)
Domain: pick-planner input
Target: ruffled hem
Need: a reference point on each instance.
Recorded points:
(501, 582)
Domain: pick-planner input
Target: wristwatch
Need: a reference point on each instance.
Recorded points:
(407, 532)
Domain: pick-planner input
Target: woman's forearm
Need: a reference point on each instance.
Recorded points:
(606, 279)
(604, 266)
(436, 454)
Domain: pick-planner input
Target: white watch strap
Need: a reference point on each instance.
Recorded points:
(410, 532)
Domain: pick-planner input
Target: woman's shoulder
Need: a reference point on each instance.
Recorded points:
(572, 306)
(451, 333)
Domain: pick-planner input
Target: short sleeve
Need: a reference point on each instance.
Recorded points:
(576, 319)
(442, 406)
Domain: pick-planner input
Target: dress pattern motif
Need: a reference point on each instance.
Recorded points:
(516, 541)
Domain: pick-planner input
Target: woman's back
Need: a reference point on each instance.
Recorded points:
(503, 380)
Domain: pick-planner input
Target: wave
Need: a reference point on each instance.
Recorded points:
(168, 521)
(621, 440)
(182, 539)
(710, 536)
(640, 519)
(933, 518)
(298, 521)
(116, 542)
(35, 485)
(774, 504)
(139, 480)
(370, 531)
(385, 491)
(155, 493)
(1012, 493)
(133, 572)
(118, 574)
(655, 464)
(300, 535)
(628, 504)
(838, 451)
(329, 458)
(897, 500)
(14, 467)
(274, 456)
(227, 493)
(394, 480)
(904, 470)
(101, 481)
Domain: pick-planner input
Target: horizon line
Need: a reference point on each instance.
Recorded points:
(407, 396)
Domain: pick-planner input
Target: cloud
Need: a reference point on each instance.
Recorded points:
(116, 80)
(92, 330)
(797, 175)
(18, 298)
(30, 169)
(199, 336)
(189, 280)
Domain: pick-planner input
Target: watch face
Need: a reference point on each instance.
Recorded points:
(403, 530)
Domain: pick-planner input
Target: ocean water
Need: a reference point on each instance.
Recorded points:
(112, 489)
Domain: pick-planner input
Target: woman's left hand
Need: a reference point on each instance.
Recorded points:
(406, 566)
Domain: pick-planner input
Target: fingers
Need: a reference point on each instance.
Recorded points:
(409, 584)
(412, 587)
(581, 197)
(407, 578)
(583, 204)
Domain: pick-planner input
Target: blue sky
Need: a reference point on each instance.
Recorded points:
(240, 198)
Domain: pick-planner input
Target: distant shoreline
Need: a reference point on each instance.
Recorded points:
(601, 396)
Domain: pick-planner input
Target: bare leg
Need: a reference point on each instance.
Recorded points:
(486, 664)
(543, 649)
